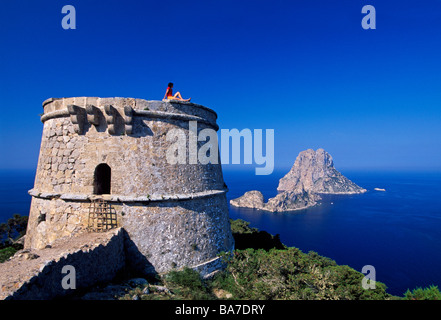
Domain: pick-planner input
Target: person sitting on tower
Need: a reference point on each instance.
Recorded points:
(169, 94)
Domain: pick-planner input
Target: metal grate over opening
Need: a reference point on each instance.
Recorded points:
(102, 216)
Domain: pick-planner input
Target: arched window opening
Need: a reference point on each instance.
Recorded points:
(102, 179)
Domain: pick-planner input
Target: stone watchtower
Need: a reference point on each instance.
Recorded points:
(114, 149)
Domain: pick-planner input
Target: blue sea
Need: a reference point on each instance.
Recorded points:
(14, 197)
(397, 231)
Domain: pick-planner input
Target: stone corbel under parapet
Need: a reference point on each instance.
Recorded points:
(117, 122)
(111, 118)
(93, 114)
(77, 117)
(128, 117)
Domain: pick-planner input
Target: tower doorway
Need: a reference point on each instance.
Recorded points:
(102, 179)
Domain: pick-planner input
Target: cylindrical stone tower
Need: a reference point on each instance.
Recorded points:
(174, 215)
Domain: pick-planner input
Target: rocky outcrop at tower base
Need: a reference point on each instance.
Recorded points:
(312, 174)
(91, 258)
(313, 171)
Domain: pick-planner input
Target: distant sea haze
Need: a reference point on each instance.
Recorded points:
(398, 231)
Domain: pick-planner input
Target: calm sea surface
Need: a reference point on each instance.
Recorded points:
(14, 197)
(397, 231)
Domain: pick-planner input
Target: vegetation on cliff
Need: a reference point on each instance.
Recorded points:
(10, 231)
(291, 274)
(260, 268)
(430, 293)
(270, 270)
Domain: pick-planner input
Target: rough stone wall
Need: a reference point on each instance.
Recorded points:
(53, 219)
(174, 234)
(37, 275)
(129, 135)
(59, 154)
(168, 234)
(97, 258)
(138, 160)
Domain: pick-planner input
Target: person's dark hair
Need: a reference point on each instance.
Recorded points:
(170, 84)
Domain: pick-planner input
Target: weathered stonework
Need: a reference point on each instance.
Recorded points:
(37, 274)
(175, 215)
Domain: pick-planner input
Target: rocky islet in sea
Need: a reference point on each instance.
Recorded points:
(312, 174)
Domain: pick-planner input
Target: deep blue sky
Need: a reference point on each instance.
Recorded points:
(307, 69)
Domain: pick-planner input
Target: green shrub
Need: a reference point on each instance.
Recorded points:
(291, 274)
(287, 273)
(246, 237)
(6, 253)
(241, 226)
(13, 229)
(187, 284)
(430, 293)
(186, 278)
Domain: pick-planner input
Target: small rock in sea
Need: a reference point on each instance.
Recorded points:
(312, 174)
